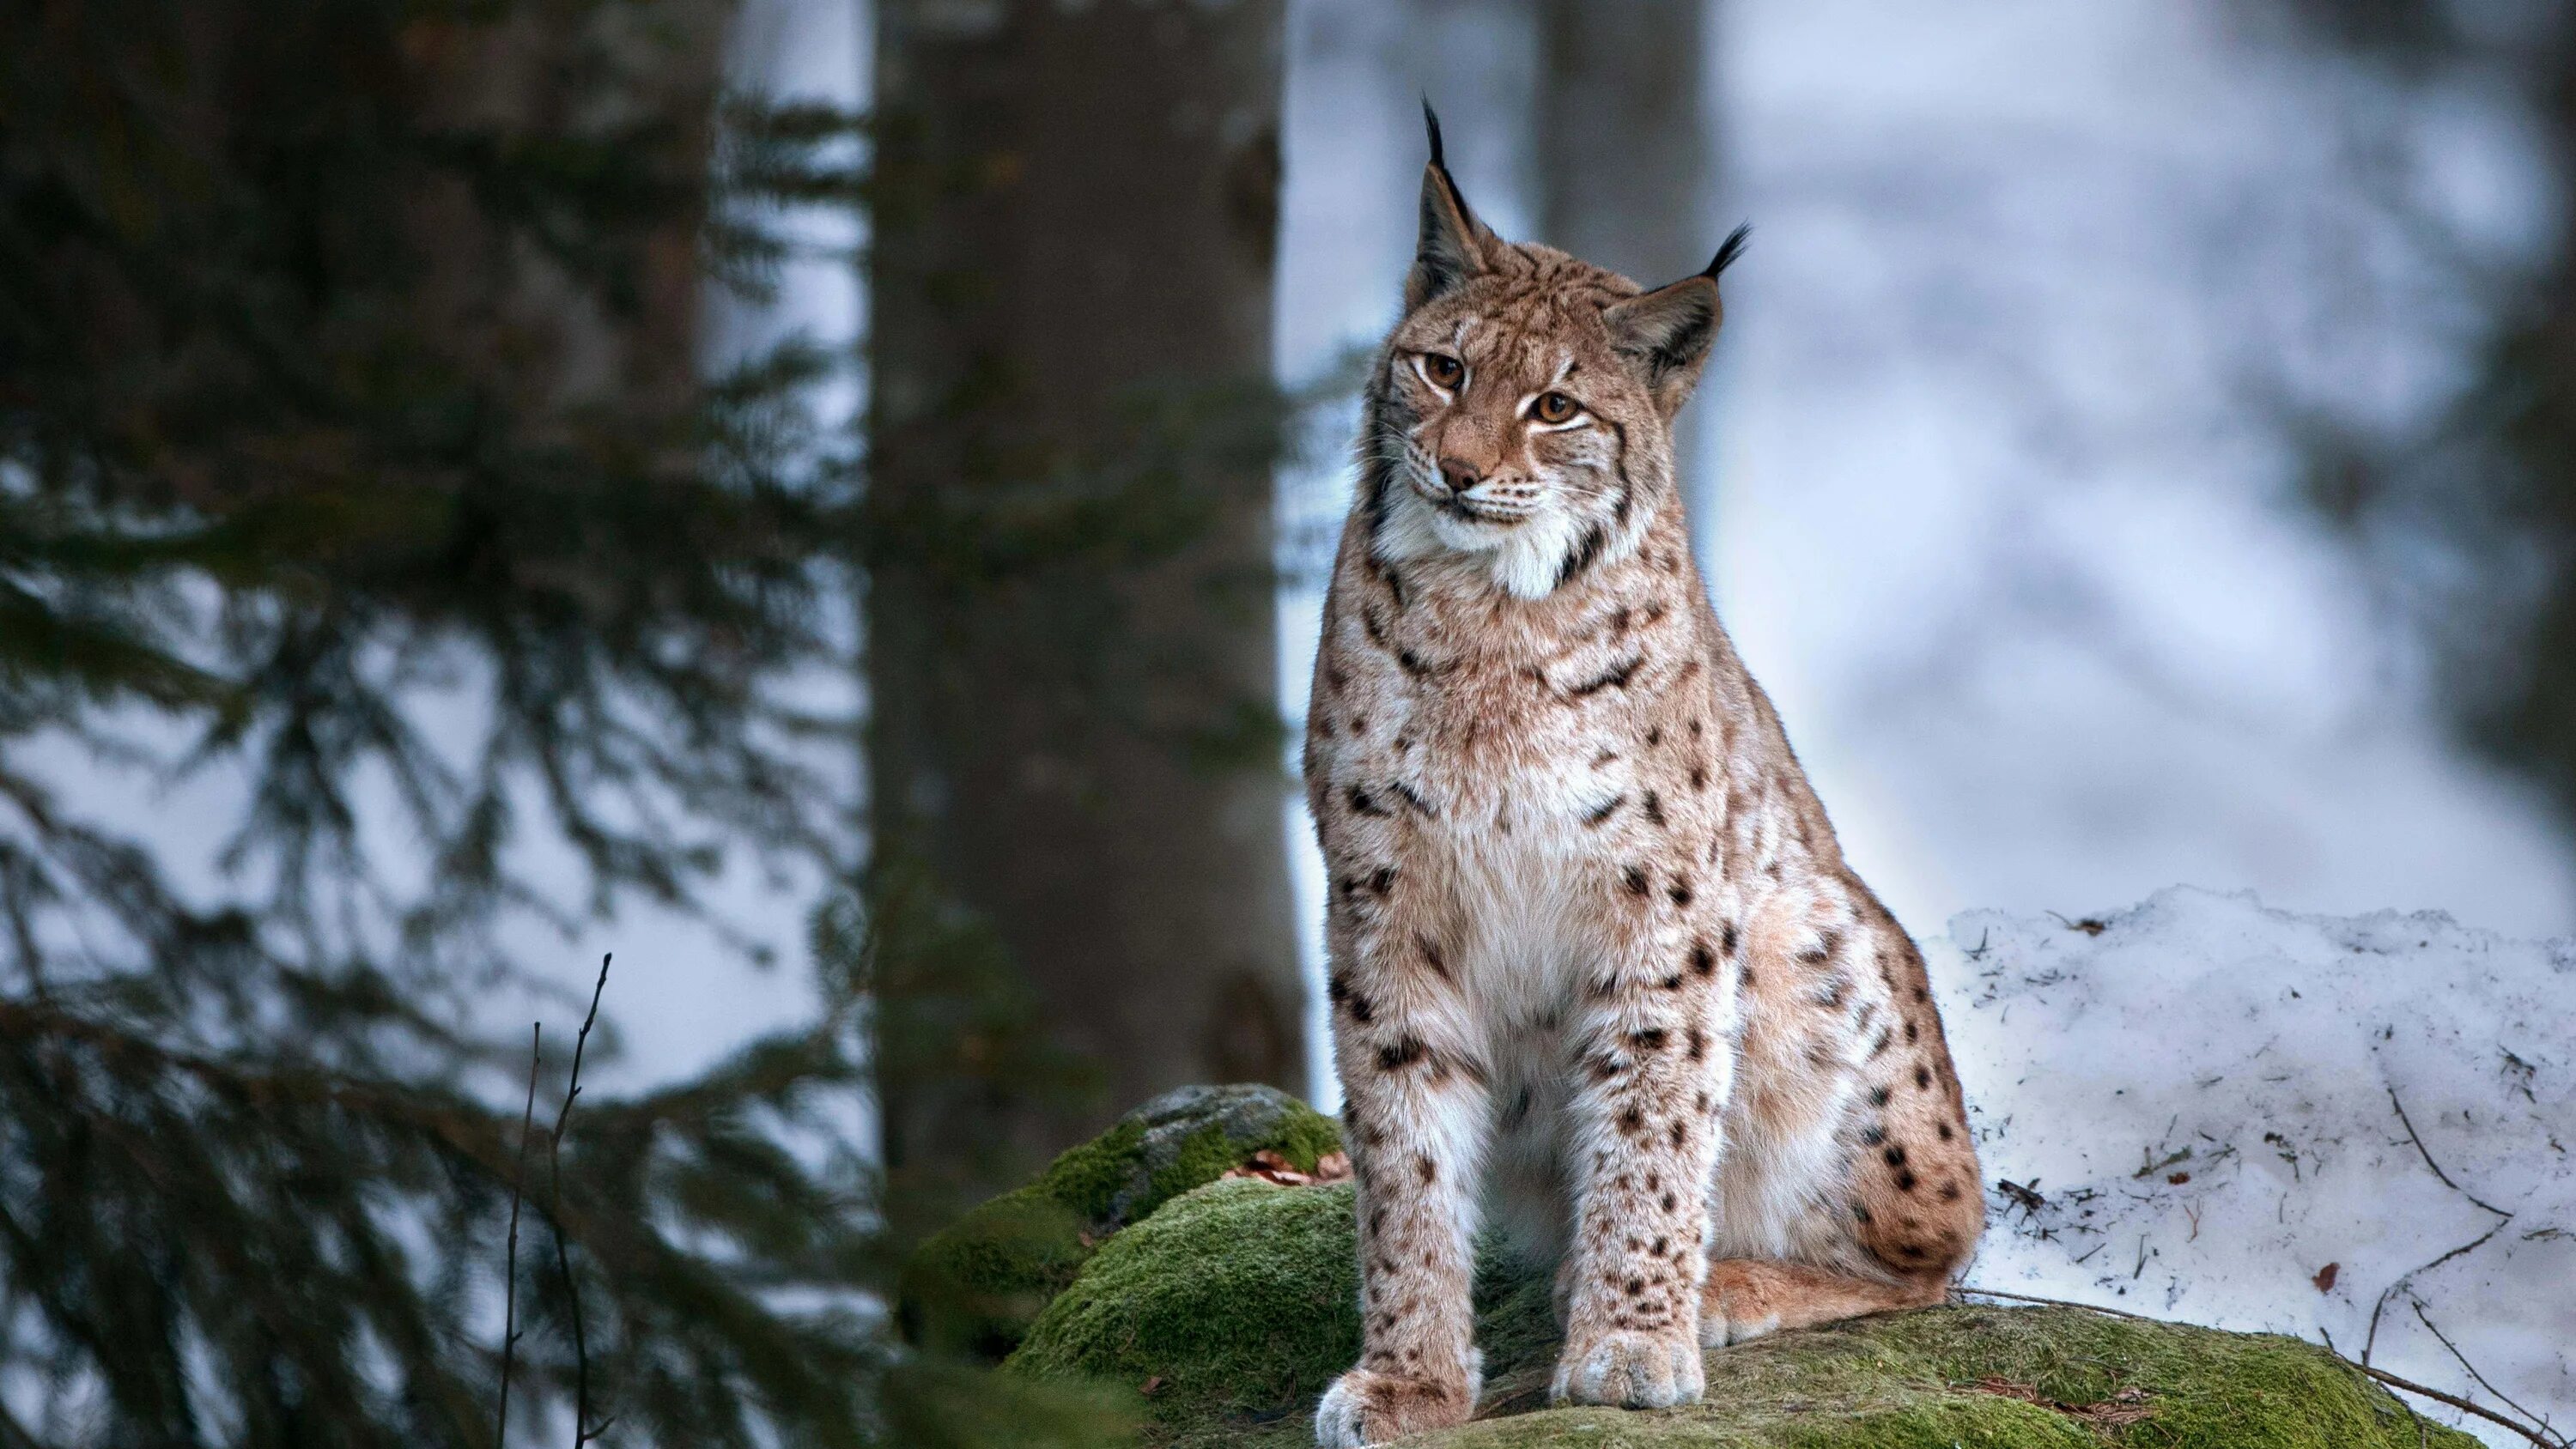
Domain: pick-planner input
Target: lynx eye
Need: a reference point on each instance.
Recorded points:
(1556, 407)
(1445, 372)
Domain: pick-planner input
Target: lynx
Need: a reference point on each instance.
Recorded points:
(1597, 967)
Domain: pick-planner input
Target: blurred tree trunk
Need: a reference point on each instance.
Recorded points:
(2493, 482)
(1072, 647)
(2530, 392)
(1627, 176)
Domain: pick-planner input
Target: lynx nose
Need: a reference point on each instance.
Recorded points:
(1459, 475)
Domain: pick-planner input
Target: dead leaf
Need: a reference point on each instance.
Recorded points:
(1268, 1166)
(2325, 1279)
(1151, 1385)
(2178, 1179)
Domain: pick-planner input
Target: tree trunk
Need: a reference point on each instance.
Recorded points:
(1627, 175)
(1072, 645)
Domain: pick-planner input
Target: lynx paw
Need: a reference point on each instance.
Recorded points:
(1733, 1308)
(1630, 1370)
(1367, 1407)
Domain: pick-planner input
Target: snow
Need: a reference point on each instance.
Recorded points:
(2202, 1097)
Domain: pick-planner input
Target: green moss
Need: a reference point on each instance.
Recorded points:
(1967, 1375)
(1087, 1178)
(975, 1286)
(1238, 1303)
(1235, 1302)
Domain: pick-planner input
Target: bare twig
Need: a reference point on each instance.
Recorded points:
(583, 1431)
(2372, 1341)
(2426, 1154)
(2539, 1436)
(510, 1272)
(2507, 1399)
(2056, 1303)
(2536, 1436)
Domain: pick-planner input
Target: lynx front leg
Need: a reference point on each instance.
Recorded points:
(1416, 1115)
(1649, 1085)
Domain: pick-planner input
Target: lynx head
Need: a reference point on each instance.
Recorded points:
(1521, 415)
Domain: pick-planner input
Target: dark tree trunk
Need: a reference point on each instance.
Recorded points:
(1070, 629)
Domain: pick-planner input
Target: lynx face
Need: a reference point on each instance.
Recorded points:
(1521, 416)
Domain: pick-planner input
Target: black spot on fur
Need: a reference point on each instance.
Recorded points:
(1362, 802)
(1635, 880)
(1923, 1078)
(1580, 557)
(1654, 808)
(1616, 677)
(1606, 811)
(1729, 937)
(1679, 891)
(1649, 1040)
(1409, 796)
(1895, 1154)
(1703, 962)
(1872, 1136)
(1878, 1096)
(1431, 956)
(1904, 1180)
(1404, 1051)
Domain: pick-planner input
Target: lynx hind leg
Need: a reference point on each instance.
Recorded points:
(1856, 1188)
(1748, 1297)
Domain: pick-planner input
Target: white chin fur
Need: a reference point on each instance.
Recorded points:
(1524, 558)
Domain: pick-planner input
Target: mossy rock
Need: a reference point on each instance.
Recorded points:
(1230, 1309)
(975, 1287)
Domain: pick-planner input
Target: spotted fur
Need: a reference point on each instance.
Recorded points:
(1598, 968)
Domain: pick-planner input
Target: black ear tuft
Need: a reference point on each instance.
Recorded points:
(1727, 251)
(1451, 247)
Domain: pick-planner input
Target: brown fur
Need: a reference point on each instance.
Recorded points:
(1593, 943)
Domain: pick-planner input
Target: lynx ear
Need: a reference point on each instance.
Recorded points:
(1452, 244)
(1667, 332)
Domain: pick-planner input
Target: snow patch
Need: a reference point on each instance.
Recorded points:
(2208, 1110)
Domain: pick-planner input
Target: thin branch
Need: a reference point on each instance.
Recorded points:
(510, 1272)
(2056, 1303)
(583, 1431)
(2536, 1436)
(2427, 1155)
(2408, 1277)
(2507, 1399)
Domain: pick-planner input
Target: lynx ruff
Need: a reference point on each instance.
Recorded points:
(1598, 969)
